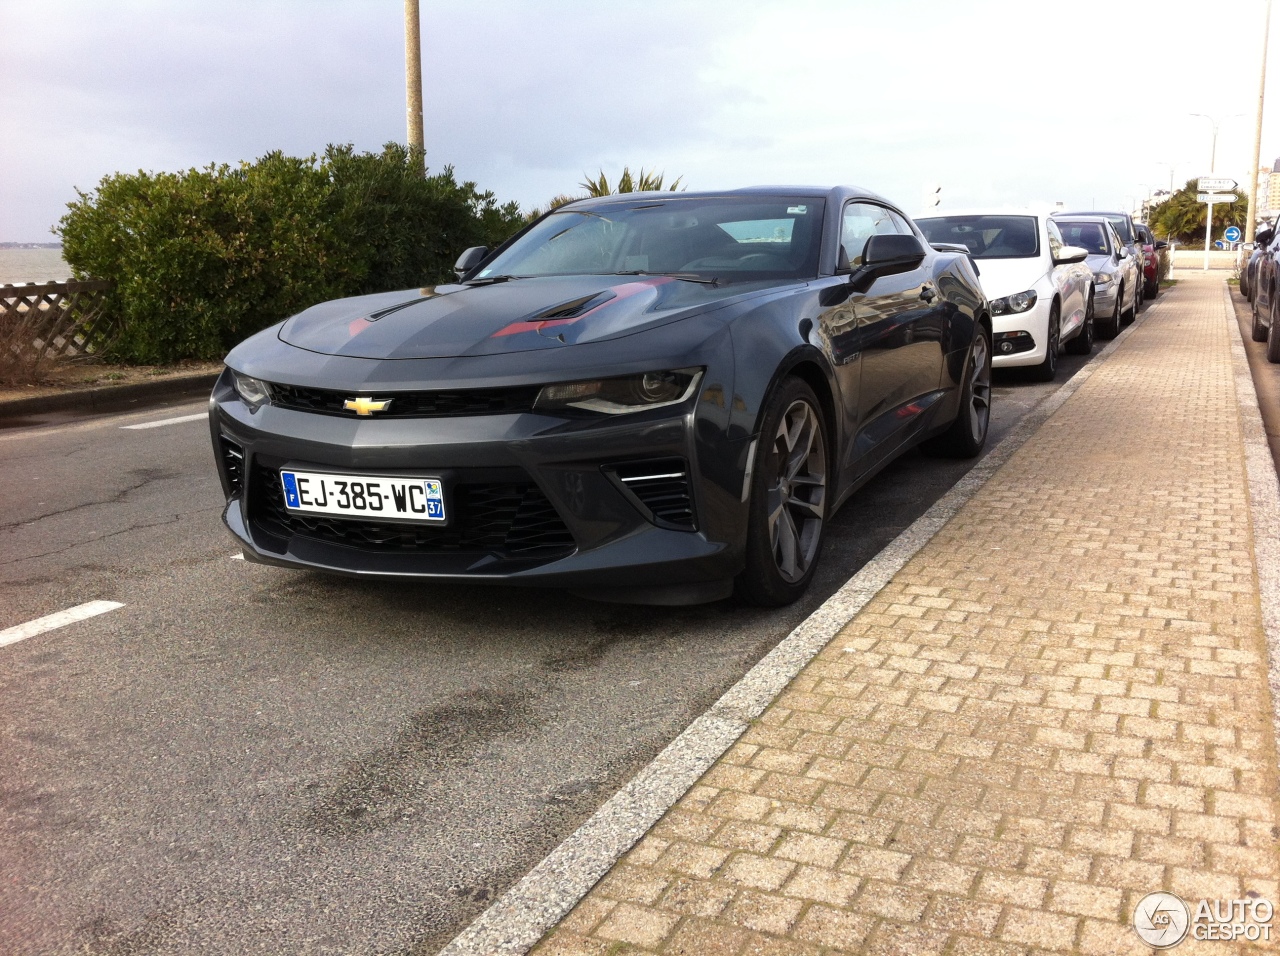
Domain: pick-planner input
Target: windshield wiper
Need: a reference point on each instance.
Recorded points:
(685, 276)
(490, 280)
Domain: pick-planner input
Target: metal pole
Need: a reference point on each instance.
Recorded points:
(413, 74)
(1208, 231)
(1251, 216)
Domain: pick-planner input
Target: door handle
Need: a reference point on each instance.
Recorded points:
(928, 293)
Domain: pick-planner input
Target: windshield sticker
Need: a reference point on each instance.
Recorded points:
(797, 210)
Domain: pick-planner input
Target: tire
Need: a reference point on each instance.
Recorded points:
(1111, 328)
(1082, 344)
(1046, 370)
(1151, 289)
(967, 434)
(1129, 314)
(787, 514)
(1273, 335)
(1257, 331)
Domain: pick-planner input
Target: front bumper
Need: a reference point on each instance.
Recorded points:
(534, 499)
(1035, 321)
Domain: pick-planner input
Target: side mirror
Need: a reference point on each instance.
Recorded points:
(1122, 253)
(469, 260)
(1069, 254)
(1264, 237)
(1161, 244)
(886, 255)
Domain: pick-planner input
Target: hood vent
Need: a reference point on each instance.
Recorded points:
(576, 307)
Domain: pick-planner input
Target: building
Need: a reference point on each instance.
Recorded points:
(1271, 198)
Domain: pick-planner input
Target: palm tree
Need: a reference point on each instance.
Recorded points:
(646, 181)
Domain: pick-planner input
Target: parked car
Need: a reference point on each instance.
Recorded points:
(1150, 259)
(1115, 295)
(1123, 224)
(1255, 250)
(1264, 288)
(1040, 290)
(646, 397)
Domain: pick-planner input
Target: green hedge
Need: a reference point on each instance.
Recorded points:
(203, 258)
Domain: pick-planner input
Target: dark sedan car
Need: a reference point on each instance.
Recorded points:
(647, 397)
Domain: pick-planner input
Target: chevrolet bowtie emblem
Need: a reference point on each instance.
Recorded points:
(363, 405)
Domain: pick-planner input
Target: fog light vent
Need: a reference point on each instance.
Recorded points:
(233, 465)
(660, 487)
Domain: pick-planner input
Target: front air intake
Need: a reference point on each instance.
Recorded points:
(232, 465)
(660, 488)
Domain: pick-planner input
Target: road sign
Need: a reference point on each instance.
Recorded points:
(1232, 234)
(1216, 198)
(1214, 184)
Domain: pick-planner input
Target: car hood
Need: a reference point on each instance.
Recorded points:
(513, 316)
(1101, 264)
(1001, 277)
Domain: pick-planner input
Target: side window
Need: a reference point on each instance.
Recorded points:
(862, 220)
(1055, 239)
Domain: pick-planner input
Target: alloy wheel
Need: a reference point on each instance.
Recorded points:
(980, 389)
(797, 494)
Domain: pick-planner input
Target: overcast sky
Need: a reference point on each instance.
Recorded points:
(997, 101)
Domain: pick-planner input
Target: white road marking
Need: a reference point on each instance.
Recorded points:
(20, 632)
(169, 421)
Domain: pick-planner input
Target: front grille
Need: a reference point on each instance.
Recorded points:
(233, 463)
(511, 518)
(443, 404)
(662, 487)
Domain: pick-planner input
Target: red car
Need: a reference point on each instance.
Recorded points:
(1150, 259)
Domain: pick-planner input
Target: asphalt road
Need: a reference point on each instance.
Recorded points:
(244, 759)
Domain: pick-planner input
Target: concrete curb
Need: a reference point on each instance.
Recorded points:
(1264, 505)
(109, 396)
(524, 914)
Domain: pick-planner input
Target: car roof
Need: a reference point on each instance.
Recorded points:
(837, 194)
(1095, 212)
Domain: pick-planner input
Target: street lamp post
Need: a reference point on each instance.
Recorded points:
(413, 75)
(1250, 219)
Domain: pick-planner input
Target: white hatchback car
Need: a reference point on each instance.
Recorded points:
(1040, 289)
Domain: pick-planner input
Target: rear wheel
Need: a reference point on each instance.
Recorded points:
(1082, 344)
(788, 506)
(1151, 289)
(1046, 370)
(968, 433)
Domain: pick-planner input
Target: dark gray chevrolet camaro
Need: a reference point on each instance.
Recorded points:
(647, 397)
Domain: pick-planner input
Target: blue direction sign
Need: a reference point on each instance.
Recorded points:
(1232, 234)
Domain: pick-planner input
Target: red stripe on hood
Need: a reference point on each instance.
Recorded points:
(624, 291)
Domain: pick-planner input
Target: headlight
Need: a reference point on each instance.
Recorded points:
(1018, 302)
(1102, 278)
(618, 396)
(252, 391)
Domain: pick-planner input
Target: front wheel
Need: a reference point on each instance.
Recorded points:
(1111, 328)
(967, 434)
(1046, 370)
(1257, 331)
(1082, 344)
(1273, 335)
(788, 508)
(1131, 313)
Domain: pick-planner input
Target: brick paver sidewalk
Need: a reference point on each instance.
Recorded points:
(1058, 706)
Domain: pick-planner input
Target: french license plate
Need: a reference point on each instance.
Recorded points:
(361, 496)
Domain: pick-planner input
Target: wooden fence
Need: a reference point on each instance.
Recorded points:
(49, 320)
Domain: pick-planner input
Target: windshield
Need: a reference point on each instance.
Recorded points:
(727, 239)
(1090, 236)
(987, 237)
(1121, 226)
